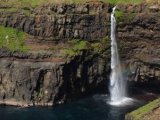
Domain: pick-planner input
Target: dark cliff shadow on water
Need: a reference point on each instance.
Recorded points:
(147, 91)
(93, 107)
(90, 108)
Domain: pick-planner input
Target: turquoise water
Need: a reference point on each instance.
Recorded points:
(91, 108)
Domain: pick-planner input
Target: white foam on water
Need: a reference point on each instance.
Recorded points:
(123, 102)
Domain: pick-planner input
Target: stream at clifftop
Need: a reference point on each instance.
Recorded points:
(91, 108)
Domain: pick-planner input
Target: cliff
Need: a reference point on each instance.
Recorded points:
(60, 22)
(67, 51)
(26, 81)
(138, 33)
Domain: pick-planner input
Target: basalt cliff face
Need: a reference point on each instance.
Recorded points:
(139, 41)
(43, 76)
(47, 82)
(61, 22)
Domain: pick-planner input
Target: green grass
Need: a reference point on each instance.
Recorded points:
(121, 16)
(77, 46)
(8, 9)
(27, 12)
(14, 10)
(141, 112)
(123, 1)
(34, 3)
(12, 39)
(100, 46)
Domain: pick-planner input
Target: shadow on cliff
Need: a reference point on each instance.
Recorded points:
(147, 90)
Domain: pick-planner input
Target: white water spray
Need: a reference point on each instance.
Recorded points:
(117, 82)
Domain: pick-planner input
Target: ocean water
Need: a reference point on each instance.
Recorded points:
(90, 108)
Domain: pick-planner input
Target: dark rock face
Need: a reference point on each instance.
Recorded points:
(140, 26)
(34, 79)
(28, 83)
(139, 42)
(87, 21)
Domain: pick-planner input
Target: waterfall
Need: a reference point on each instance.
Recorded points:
(117, 82)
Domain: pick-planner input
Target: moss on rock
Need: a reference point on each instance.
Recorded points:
(78, 46)
(141, 112)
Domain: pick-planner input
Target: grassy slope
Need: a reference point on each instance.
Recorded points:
(33, 3)
(77, 46)
(141, 112)
(12, 39)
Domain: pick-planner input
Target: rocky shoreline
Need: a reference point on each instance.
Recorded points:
(24, 104)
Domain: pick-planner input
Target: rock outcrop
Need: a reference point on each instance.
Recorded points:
(88, 21)
(43, 76)
(139, 41)
(34, 81)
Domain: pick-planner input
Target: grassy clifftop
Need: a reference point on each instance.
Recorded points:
(34, 3)
(140, 113)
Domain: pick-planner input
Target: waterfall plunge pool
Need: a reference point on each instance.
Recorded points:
(91, 108)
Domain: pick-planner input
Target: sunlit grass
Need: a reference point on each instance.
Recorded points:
(141, 112)
(77, 46)
(123, 1)
(34, 3)
(12, 39)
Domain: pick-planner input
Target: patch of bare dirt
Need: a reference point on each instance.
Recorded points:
(154, 115)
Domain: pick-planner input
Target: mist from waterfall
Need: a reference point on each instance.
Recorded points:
(117, 83)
